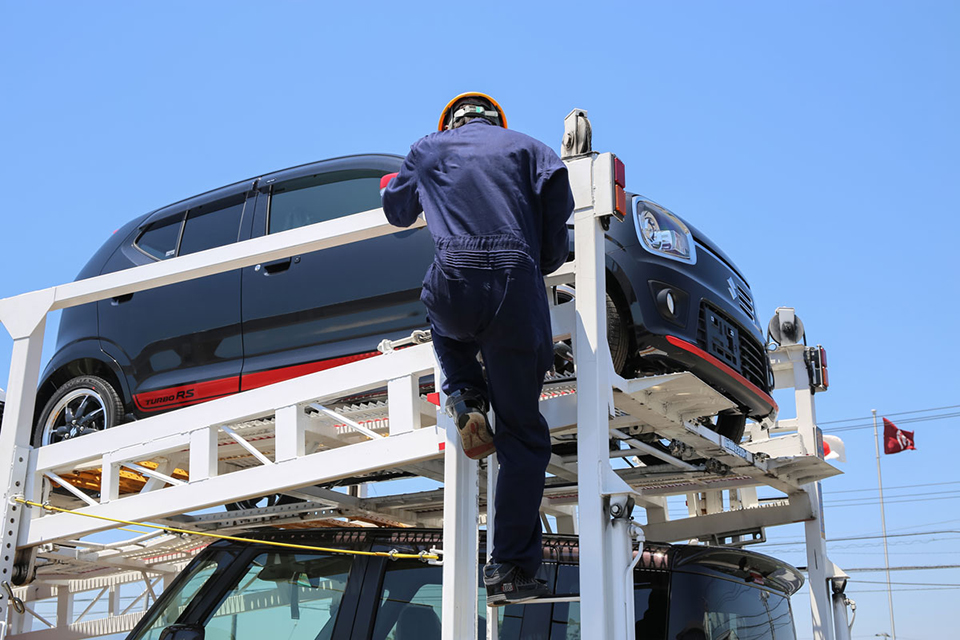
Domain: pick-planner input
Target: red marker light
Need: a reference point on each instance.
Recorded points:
(619, 173)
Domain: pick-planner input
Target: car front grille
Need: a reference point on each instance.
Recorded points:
(747, 356)
(744, 301)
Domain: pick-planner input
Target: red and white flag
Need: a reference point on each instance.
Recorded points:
(833, 449)
(895, 439)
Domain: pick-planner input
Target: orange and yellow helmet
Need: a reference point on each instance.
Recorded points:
(447, 116)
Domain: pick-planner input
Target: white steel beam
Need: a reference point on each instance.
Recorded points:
(314, 237)
(323, 466)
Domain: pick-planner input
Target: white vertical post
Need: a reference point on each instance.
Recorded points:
(27, 332)
(109, 480)
(203, 453)
(64, 607)
(291, 433)
(604, 547)
(404, 398)
(113, 600)
(841, 624)
(461, 545)
(818, 566)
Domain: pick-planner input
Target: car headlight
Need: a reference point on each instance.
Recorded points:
(663, 233)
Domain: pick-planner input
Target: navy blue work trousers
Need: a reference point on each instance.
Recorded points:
(486, 295)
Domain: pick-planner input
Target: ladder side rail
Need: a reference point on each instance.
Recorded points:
(604, 548)
(461, 514)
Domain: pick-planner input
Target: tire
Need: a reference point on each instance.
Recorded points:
(618, 336)
(618, 332)
(82, 405)
(732, 424)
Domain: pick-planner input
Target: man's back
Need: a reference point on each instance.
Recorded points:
(484, 180)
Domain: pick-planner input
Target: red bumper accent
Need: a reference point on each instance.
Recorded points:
(726, 369)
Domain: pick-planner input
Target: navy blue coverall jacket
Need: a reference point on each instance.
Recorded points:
(497, 202)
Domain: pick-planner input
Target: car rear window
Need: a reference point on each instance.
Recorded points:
(212, 225)
(160, 238)
(321, 197)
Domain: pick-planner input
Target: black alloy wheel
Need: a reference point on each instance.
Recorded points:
(82, 405)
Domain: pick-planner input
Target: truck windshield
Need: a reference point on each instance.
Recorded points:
(719, 609)
(295, 596)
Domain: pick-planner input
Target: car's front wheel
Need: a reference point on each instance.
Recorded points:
(82, 405)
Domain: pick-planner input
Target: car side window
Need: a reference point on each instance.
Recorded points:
(160, 238)
(212, 225)
(321, 197)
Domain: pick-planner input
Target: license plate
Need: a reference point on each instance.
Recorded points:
(723, 340)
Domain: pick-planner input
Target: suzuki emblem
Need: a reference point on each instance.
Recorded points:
(733, 288)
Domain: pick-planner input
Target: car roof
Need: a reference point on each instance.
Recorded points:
(390, 161)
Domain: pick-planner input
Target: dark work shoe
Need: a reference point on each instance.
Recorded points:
(469, 411)
(507, 584)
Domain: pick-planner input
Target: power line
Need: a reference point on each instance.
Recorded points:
(870, 537)
(903, 486)
(921, 567)
(902, 413)
(891, 499)
(911, 584)
(875, 502)
(857, 427)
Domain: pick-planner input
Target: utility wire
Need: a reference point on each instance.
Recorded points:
(900, 421)
(902, 413)
(903, 486)
(873, 537)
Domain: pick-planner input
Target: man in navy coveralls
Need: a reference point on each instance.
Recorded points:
(496, 202)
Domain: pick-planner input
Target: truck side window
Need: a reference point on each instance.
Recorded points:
(160, 238)
(212, 225)
(322, 197)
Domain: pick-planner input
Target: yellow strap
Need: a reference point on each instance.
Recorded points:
(286, 545)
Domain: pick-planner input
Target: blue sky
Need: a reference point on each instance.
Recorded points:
(815, 142)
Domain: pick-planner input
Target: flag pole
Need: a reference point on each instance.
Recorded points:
(883, 525)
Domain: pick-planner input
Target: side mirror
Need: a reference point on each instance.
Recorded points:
(182, 632)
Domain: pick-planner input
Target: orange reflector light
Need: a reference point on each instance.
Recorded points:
(619, 173)
(621, 206)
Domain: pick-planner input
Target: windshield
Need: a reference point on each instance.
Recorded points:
(278, 595)
(708, 608)
(175, 599)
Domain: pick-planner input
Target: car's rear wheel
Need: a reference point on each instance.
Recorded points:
(82, 405)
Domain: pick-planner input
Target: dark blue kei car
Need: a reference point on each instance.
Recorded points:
(676, 302)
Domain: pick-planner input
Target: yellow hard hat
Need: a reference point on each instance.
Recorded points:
(446, 116)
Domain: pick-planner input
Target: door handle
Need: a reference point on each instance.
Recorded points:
(277, 266)
(121, 299)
